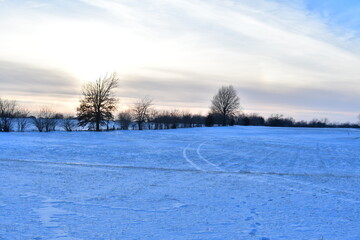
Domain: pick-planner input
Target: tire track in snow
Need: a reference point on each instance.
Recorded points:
(310, 188)
(108, 166)
(204, 159)
(304, 186)
(199, 165)
(280, 176)
(188, 159)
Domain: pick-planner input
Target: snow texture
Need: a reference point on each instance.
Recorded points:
(205, 183)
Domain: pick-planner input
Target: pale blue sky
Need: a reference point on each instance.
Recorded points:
(298, 58)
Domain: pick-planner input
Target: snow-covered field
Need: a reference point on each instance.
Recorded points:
(205, 183)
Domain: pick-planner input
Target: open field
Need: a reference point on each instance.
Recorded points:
(205, 183)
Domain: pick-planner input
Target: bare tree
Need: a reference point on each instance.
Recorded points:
(209, 120)
(256, 120)
(22, 117)
(175, 118)
(98, 102)
(8, 110)
(159, 119)
(165, 119)
(199, 120)
(69, 123)
(141, 111)
(225, 103)
(187, 119)
(39, 123)
(124, 119)
(152, 117)
(45, 120)
(319, 123)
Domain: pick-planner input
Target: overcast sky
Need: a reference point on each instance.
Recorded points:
(299, 58)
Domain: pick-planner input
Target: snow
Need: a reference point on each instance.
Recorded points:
(204, 183)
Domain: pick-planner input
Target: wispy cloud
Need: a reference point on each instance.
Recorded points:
(40, 87)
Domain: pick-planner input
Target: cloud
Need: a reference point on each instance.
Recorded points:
(166, 90)
(311, 99)
(23, 78)
(37, 87)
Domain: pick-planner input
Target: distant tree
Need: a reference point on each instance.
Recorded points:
(45, 120)
(152, 116)
(275, 120)
(199, 120)
(141, 111)
(242, 119)
(98, 102)
(22, 117)
(209, 120)
(301, 123)
(158, 119)
(175, 118)
(58, 116)
(225, 103)
(256, 120)
(39, 123)
(165, 119)
(186, 119)
(8, 110)
(278, 120)
(69, 123)
(124, 119)
(319, 123)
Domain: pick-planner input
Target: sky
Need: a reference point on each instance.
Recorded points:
(298, 58)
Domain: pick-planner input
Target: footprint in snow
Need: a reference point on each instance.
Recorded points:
(253, 232)
(254, 225)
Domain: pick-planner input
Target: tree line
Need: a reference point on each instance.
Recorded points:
(98, 104)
